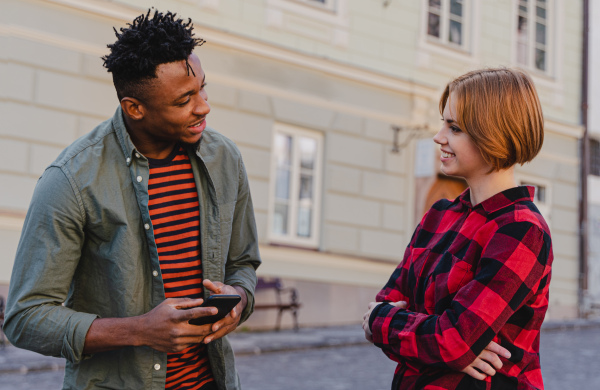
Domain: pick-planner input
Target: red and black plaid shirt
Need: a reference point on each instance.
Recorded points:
(470, 275)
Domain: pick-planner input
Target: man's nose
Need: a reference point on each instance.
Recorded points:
(202, 107)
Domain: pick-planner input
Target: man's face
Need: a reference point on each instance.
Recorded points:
(175, 105)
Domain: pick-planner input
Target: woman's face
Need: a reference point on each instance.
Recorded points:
(460, 156)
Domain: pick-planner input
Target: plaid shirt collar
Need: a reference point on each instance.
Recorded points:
(500, 200)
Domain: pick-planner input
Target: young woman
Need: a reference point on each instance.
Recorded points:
(464, 308)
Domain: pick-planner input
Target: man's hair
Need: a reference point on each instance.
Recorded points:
(500, 110)
(146, 43)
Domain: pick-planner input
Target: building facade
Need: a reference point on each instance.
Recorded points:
(333, 104)
(592, 296)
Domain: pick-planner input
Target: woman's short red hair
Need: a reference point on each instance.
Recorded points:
(500, 110)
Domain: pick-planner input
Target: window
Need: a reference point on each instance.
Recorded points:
(542, 197)
(446, 22)
(321, 20)
(294, 210)
(329, 4)
(594, 157)
(540, 192)
(533, 34)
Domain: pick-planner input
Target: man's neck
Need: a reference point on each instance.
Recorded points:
(150, 148)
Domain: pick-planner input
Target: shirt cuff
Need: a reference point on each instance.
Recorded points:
(74, 340)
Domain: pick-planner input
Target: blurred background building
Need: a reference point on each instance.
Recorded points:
(591, 295)
(333, 104)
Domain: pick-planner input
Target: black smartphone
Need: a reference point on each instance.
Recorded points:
(223, 303)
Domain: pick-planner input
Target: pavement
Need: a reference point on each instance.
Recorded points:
(15, 360)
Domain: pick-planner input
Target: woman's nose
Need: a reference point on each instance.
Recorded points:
(439, 138)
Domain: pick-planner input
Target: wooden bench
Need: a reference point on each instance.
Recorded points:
(290, 303)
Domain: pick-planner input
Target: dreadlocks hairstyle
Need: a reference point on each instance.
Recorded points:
(145, 44)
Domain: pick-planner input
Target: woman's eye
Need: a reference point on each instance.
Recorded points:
(455, 129)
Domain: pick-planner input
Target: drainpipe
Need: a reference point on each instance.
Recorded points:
(585, 169)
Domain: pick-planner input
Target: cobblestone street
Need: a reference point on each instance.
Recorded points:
(569, 361)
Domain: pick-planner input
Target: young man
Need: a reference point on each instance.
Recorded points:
(133, 225)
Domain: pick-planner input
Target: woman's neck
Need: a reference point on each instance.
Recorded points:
(486, 186)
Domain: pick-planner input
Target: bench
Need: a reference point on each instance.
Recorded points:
(290, 303)
(2, 337)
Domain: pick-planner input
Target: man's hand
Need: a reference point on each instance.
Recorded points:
(488, 362)
(164, 328)
(167, 328)
(230, 322)
(373, 305)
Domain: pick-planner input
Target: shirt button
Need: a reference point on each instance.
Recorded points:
(139, 179)
(147, 226)
(137, 155)
(157, 366)
(155, 273)
(128, 160)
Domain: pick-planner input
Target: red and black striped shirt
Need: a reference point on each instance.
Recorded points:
(175, 214)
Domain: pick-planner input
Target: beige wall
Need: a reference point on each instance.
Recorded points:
(349, 76)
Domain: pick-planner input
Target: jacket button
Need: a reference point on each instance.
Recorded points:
(139, 179)
(146, 226)
(155, 273)
(157, 366)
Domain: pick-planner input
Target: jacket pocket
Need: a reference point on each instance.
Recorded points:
(418, 261)
(451, 274)
(459, 275)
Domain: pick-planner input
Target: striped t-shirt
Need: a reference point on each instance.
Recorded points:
(175, 215)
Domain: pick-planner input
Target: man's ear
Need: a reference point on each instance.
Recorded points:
(133, 108)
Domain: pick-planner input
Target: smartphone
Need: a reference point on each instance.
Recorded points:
(223, 303)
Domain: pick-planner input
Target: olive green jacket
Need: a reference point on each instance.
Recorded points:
(87, 250)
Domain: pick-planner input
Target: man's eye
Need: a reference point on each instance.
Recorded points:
(184, 103)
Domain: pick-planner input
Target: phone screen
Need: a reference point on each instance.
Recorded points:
(223, 303)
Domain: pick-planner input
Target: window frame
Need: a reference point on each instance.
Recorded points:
(445, 17)
(594, 157)
(329, 5)
(333, 16)
(550, 25)
(292, 238)
(545, 206)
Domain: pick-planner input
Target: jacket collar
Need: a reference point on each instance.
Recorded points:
(127, 145)
(200, 149)
(500, 200)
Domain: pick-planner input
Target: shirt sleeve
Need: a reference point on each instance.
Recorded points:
(508, 274)
(399, 287)
(244, 256)
(47, 257)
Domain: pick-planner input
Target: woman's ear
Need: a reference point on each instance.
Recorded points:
(133, 108)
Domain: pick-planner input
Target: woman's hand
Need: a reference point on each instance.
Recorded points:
(488, 362)
(367, 315)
